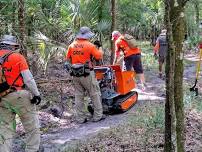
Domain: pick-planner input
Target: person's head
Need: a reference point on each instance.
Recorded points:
(115, 35)
(9, 41)
(85, 33)
(163, 31)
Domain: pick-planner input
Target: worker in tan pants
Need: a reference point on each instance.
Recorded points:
(28, 116)
(91, 84)
(15, 99)
(79, 55)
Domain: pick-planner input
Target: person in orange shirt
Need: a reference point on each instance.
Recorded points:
(161, 49)
(79, 54)
(132, 56)
(15, 99)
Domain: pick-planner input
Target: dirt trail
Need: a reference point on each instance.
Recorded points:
(69, 132)
(53, 140)
(155, 92)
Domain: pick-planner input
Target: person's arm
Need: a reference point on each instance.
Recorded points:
(156, 47)
(67, 64)
(97, 53)
(29, 80)
(68, 54)
(117, 53)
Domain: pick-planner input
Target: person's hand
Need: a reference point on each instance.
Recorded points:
(97, 43)
(155, 56)
(67, 66)
(36, 100)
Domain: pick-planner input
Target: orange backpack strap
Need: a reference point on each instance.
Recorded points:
(5, 88)
(5, 56)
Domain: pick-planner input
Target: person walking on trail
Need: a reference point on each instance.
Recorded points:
(15, 99)
(161, 48)
(132, 56)
(78, 55)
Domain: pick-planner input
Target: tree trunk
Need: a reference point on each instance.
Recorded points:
(100, 11)
(178, 37)
(21, 19)
(170, 67)
(176, 30)
(113, 26)
(13, 18)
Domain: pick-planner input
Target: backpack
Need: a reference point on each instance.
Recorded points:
(130, 40)
(5, 88)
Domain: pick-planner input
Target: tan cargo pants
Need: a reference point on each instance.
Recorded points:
(89, 84)
(18, 103)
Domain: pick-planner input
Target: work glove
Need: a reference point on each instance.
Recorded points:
(155, 56)
(97, 43)
(36, 100)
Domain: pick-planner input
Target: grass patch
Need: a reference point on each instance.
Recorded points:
(148, 59)
(149, 62)
(191, 101)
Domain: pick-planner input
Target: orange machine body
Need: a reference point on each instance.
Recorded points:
(124, 81)
(116, 88)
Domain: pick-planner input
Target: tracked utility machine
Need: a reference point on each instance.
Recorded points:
(116, 89)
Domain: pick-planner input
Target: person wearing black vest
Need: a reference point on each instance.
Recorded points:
(161, 49)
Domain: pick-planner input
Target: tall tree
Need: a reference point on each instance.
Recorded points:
(178, 37)
(113, 26)
(170, 67)
(21, 20)
(176, 31)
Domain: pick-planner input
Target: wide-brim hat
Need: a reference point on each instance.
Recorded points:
(9, 39)
(85, 33)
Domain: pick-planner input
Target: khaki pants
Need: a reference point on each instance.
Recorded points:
(89, 84)
(18, 103)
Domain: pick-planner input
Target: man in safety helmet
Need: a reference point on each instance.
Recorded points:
(15, 99)
(78, 55)
(132, 56)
